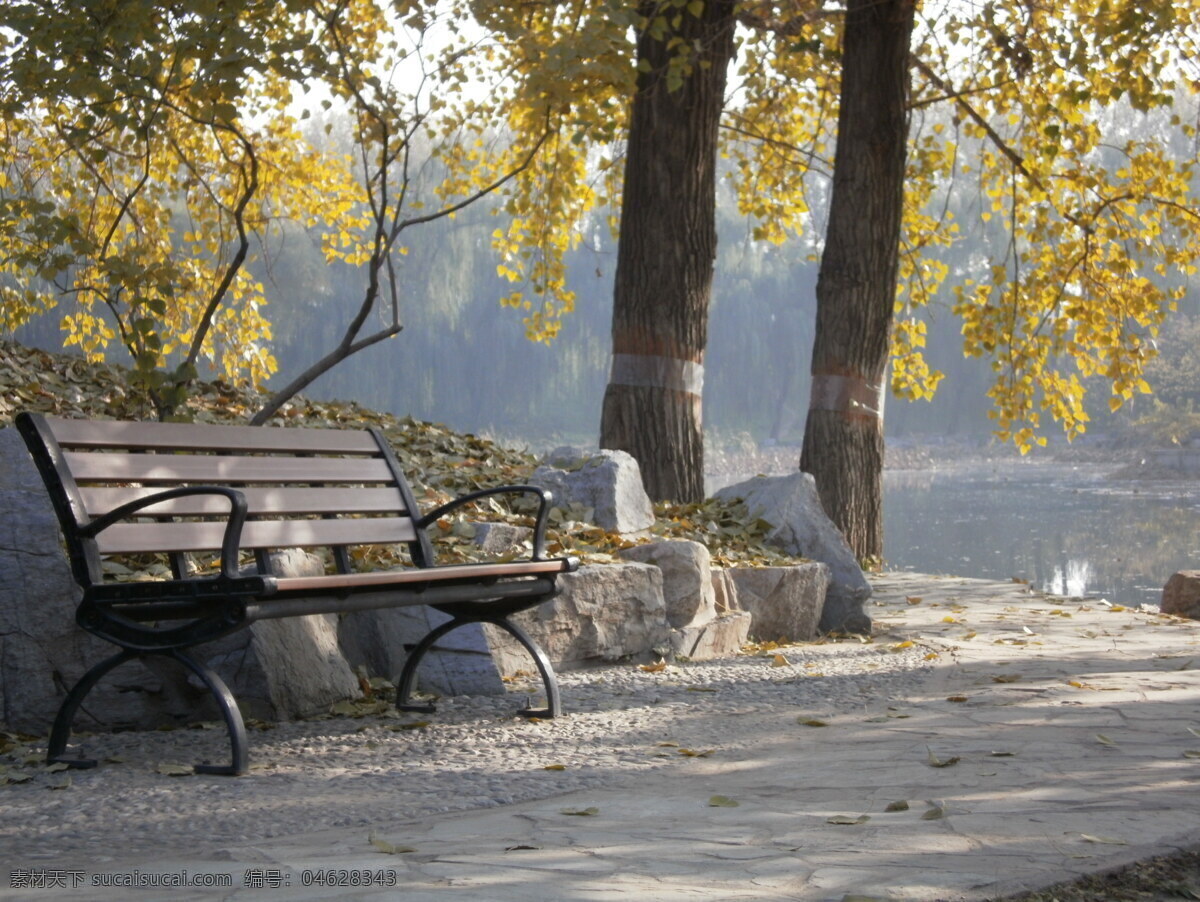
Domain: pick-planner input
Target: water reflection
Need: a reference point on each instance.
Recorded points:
(1068, 530)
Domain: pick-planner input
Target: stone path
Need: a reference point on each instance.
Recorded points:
(1031, 739)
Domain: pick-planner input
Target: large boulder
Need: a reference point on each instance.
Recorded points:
(286, 668)
(686, 576)
(800, 527)
(460, 663)
(42, 652)
(608, 482)
(784, 602)
(283, 669)
(604, 613)
(1181, 595)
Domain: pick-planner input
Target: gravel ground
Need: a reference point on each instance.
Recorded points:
(1167, 878)
(339, 772)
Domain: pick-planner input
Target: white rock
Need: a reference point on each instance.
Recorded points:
(687, 579)
(605, 612)
(609, 482)
(800, 527)
(785, 602)
(721, 637)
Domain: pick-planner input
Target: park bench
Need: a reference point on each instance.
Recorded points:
(215, 500)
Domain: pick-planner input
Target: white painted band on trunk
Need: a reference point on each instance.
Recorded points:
(653, 371)
(846, 393)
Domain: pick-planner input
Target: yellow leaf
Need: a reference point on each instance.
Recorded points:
(847, 820)
(654, 668)
(722, 802)
(386, 847)
(935, 761)
(780, 661)
(1105, 840)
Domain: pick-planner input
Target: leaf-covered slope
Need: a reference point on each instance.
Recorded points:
(440, 463)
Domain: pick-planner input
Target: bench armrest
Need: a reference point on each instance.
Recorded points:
(231, 541)
(539, 530)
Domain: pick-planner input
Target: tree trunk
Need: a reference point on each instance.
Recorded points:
(665, 255)
(856, 286)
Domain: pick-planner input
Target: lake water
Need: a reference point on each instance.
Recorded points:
(1068, 530)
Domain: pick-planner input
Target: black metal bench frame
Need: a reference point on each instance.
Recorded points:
(182, 489)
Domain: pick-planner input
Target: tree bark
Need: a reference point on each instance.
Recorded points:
(856, 285)
(665, 255)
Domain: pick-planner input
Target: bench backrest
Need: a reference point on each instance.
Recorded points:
(303, 487)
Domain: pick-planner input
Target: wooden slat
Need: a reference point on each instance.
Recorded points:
(417, 575)
(204, 436)
(281, 500)
(173, 469)
(134, 538)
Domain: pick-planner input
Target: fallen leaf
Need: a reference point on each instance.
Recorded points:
(1192, 753)
(901, 805)
(847, 819)
(722, 802)
(934, 813)
(1003, 754)
(580, 812)
(811, 722)
(935, 761)
(1104, 740)
(659, 667)
(1103, 840)
(1006, 678)
(386, 847)
(780, 661)
(176, 770)
(956, 698)
(555, 767)
(692, 753)
(522, 848)
(913, 599)
(907, 643)
(64, 783)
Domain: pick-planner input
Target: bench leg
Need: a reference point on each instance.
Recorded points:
(61, 730)
(409, 674)
(239, 761)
